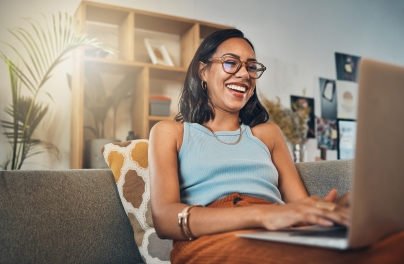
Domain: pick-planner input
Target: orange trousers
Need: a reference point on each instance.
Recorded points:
(228, 248)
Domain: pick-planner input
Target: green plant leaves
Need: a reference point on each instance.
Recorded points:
(45, 45)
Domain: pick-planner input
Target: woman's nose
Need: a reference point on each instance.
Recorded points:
(242, 72)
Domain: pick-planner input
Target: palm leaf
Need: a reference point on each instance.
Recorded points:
(45, 46)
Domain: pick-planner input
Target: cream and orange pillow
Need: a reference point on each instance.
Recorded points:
(128, 162)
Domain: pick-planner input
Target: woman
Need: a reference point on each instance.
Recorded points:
(221, 168)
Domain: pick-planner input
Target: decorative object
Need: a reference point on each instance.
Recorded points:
(131, 136)
(300, 152)
(98, 104)
(158, 53)
(347, 66)
(43, 48)
(326, 134)
(128, 162)
(227, 143)
(346, 138)
(305, 105)
(160, 105)
(293, 125)
(328, 98)
(347, 98)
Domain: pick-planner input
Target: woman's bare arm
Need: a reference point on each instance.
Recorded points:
(290, 184)
(164, 143)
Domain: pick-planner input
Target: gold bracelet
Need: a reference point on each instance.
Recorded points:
(183, 225)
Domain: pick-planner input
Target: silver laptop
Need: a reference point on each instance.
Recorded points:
(377, 193)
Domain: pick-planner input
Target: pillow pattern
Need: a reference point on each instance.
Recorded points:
(128, 162)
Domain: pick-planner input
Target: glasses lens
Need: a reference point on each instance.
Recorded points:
(254, 69)
(230, 65)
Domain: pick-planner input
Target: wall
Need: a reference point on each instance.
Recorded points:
(302, 33)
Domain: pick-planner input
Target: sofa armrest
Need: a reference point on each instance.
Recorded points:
(319, 177)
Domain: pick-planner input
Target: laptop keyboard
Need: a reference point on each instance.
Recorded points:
(337, 233)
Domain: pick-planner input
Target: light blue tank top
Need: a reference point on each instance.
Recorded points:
(210, 170)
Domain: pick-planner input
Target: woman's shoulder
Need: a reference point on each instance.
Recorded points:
(269, 133)
(167, 127)
(167, 132)
(267, 128)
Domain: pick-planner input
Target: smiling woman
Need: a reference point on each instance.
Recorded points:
(221, 168)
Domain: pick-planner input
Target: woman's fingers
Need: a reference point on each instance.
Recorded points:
(318, 211)
(343, 200)
(332, 195)
(312, 210)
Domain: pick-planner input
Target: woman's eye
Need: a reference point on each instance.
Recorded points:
(252, 67)
(230, 63)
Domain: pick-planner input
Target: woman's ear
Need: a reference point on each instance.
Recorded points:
(201, 70)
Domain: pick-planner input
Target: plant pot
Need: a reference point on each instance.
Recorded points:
(93, 158)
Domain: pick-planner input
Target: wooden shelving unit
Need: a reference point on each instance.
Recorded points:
(128, 28)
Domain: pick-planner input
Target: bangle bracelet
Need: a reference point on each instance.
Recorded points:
(183, 225)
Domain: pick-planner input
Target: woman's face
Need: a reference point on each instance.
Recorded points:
(229, 92)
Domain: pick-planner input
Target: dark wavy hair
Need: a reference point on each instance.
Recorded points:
(194, 106)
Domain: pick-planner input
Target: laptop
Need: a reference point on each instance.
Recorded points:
(377, 192)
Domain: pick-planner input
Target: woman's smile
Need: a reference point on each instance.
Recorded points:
(236, 89)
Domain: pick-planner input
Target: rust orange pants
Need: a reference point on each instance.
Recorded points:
(228, 248)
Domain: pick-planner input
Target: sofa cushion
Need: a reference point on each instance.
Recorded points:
(63, 216)
(128, 162)
(319, 177)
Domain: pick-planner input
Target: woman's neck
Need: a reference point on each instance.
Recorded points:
(223, 123)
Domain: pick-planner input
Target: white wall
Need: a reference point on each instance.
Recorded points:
(305, 33)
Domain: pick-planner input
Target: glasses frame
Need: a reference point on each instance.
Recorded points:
(242, 63)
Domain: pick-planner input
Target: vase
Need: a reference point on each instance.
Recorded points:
(93, 158)
(300, 152)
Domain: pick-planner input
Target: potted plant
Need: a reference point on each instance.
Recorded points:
(98, 103)
(292, 123)
(44, 47)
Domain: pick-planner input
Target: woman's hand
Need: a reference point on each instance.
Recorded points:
(312, 210)
(342, 201)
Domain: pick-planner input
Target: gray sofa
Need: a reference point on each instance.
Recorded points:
(76, 216)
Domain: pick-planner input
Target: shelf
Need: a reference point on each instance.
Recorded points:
(104, 13)
(125, 30)
(156, 71)
(160, 118)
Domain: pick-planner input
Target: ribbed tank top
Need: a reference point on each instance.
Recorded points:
(210, 170)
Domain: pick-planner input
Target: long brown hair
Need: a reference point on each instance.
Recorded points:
(194, 106)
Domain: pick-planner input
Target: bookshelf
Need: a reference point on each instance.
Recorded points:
(125, 29)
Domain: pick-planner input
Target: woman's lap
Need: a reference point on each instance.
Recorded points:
(229, 248)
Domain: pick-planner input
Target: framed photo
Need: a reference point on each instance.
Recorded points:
(347, 98)
(158, 53)
(305, 102)
(346, 138)
(347, 66)
(326, 133)
(328, 99)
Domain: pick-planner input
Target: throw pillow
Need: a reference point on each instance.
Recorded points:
(128, 162)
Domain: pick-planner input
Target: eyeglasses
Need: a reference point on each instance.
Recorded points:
(232, 65)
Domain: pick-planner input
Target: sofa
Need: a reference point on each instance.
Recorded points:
(82, 216)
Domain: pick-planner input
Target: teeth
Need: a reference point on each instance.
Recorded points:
(236, 88)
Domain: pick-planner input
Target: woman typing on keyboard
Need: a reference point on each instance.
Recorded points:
(221, 169)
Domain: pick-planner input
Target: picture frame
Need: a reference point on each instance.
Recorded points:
(303, 101)
(347, 66)
(328, 99)
(158, 53)
(346, 142)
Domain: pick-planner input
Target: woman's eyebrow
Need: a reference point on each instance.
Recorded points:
(231, 54)
(238, 57)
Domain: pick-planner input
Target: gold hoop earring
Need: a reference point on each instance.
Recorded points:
(204, 85)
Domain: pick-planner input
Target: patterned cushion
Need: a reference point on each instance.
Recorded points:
(128, 162)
